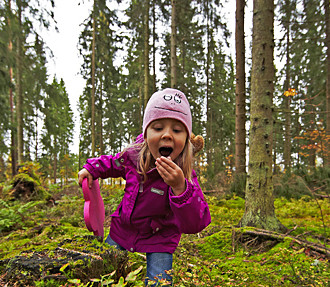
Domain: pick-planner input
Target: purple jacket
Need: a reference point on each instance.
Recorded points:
(150, 218)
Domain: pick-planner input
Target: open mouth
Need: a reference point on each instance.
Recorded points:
(165, 151)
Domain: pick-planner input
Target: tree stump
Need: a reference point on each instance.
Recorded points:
(80, 258)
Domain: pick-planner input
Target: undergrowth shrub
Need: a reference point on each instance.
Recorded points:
(237, 185)
(300, 183)
(27, 184)
(112, 196)
(318, 176)
(303, 182)
(12, 215)
(290, 186)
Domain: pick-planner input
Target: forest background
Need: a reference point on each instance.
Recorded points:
(37, 119)
(266, 127)
(125, 60)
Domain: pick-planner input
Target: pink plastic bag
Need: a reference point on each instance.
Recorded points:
(94, 208)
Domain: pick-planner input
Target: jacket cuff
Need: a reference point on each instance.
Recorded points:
(91, 170)
(183, 197)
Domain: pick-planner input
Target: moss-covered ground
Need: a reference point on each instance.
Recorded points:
(210, 258)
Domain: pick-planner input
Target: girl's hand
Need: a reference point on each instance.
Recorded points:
(85, 173)
(172, 174)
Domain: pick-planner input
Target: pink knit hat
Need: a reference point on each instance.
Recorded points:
(169, 104)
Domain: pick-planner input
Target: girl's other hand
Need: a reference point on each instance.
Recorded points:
(172, 174)
(85, 173)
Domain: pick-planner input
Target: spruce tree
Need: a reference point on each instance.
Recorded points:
(259, 198)
(58, 127)
(105, 81)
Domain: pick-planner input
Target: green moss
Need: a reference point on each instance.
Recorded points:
(48, 283)
(234, 203)
(216, 244)
(204, 259)
(227, 212)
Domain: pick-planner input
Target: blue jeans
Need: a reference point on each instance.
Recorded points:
(157, 265)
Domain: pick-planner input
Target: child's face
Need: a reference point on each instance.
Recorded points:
(166, 137)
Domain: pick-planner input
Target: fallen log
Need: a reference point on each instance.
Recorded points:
(256, 232)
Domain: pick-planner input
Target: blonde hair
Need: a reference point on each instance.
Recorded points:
(184, 160)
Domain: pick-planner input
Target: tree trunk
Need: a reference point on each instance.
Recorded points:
(154, 46)
(311, 121)
(19, 95)
(173, 46)
(36, 137)
(207, 94)
(101, 121)
(240, 132)
(55, 164)
(287, 109)
(146, 54)
(100, 113)
(141, 95)
(93, 83)
(11, 103)
(259, 201)
(12, 127)
(327, 21)
(275, 133)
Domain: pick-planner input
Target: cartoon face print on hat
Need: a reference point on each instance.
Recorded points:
(177, 98)
(174, 101)
(168, 104)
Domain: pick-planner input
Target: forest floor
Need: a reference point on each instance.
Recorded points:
(46, 243)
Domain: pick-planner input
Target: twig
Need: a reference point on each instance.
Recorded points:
(213, 191)
(54, 276)
(289, 231)
(251, 241)
(322, 195)
(81, 253)
(303, 234)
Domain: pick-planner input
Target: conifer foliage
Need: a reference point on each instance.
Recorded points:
(58, 126)
(130, 49)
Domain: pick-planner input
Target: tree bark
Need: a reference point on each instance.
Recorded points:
(327, 24)
(240, 132)
(141, 95)
(213, 165)
(19, 93)
(173, 46)
(11, 103)
(146, 54)
(55, 163)
(154, 46)
(259, 201)
(287, 109)
(209, 122)
(101, 121)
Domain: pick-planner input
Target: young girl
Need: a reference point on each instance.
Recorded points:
(162, 196)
